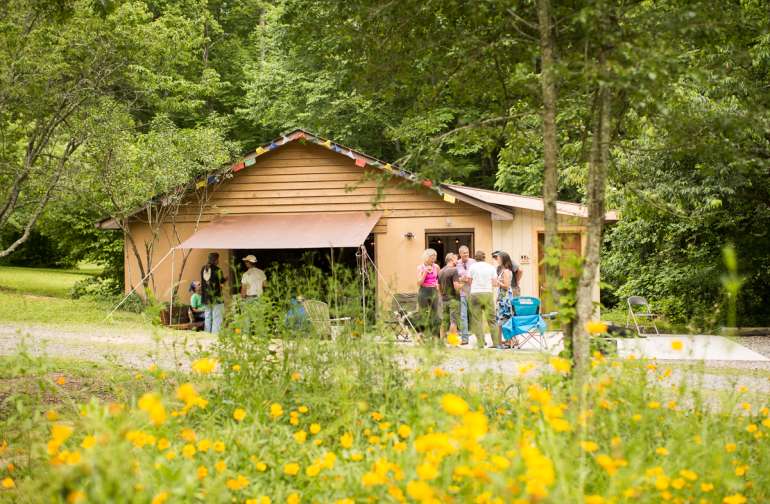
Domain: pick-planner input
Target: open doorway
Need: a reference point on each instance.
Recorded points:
(324, 274)
(444, 241)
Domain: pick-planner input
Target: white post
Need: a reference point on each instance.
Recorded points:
(171, 305)
(363, 285)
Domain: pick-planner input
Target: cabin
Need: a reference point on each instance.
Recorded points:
(303, 192)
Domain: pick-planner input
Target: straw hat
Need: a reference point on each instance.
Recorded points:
(250, 259)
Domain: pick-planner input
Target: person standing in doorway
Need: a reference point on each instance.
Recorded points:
(427, 295)
(212, 279)
(463, 269)
(253, 280)
(482, 299)
(449, 286)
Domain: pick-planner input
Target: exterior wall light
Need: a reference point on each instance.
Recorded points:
(409, 235)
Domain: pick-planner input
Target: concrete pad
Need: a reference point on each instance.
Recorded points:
(694, 347)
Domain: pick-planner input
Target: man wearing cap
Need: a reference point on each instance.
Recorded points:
(253, 281)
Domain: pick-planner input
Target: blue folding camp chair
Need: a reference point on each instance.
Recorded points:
(526, 320)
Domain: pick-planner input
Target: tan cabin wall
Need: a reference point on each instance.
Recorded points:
(398, 256)
(519, 238)
(174, 262)
(301, 178)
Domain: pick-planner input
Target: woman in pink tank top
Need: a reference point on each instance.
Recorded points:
(427, 295)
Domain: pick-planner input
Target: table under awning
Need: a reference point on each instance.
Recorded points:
(284, 231)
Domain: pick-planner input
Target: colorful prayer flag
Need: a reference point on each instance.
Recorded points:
(260, 151)
(327, 144)
(272, 146)
(449, 198)
(427, 183)
(213, 179)
(350, 154)
(388, 167)
(201, 184)
(249, 161)
(238, 166)
(361, 162)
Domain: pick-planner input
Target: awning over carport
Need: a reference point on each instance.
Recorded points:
(284, 231)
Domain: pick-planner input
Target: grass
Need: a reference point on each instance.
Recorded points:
(41, 296)
(41, 281)
(34, 309)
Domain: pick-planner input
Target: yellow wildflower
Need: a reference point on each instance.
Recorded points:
(560, 365)
(239, 414)
(595, 327)
(291, 469)
(150, 403)
(454, 405)
(160, 498)
(419, 490)
(346, 440)
(404, 431)
(300, 436)
(315, 428)
(88, 442)
(188, 451)
(204, 366)
(276, 410)
(589, 446)
(8, 483)
(734, 499)
(202, 472)
(239, 483)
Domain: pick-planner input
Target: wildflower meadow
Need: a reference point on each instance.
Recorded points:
(360, 420)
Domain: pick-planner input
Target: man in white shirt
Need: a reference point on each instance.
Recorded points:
(254, 280)
(482, 299)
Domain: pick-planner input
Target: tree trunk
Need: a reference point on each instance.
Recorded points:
(597, 173)
(550, 154)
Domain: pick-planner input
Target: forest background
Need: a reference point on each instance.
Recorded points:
(104, 104)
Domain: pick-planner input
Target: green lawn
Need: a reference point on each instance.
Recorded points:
(40, 295)
(41, 281)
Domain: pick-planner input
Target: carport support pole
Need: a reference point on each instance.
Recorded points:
(171, 305)
(363, 286)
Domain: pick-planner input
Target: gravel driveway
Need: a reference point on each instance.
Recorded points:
(133, 347)
(140, 347)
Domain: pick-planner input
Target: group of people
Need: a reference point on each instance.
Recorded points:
(466, 293)
(207, 302)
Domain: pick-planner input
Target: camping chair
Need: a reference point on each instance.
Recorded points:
(528, 321)
(639, 311)
(404, 309)
(318, 315)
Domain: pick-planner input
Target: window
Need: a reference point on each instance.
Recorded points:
(444, 241)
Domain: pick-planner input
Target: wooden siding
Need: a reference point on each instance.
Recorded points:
(306, 178)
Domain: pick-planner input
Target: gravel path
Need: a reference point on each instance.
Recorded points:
(140, 347)
(133, 347)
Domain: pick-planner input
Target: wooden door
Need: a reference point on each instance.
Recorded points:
(570, 245)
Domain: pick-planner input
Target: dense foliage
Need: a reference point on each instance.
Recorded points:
(449, 90)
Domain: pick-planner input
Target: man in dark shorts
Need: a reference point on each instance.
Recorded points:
(449, 285)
